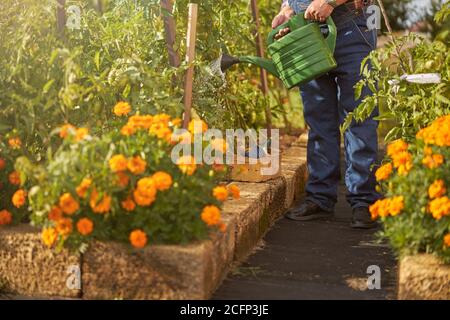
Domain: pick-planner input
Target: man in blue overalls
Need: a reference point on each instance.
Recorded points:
(327, 100)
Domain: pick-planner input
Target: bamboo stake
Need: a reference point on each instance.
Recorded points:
(61, 16)
(262, 73)
(169, 27)
(190, 56)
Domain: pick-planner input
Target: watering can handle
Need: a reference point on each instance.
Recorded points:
(298, 21)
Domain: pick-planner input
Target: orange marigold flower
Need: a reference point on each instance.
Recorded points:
(145, 193)
(140, 122)
(2, 163)
(127, 130)
(222, 227)
(100, 206)
(401, 158)
(128, 204)
(447, 240)
(85, 226)
(219, 145)
(14, 178)
(433, 161)
(122, 179)
(197, 126)
(81, 133)
(49, 236)
(438, 133)
(396, 147)
(437, 189)
(440, 207)
(187, 165)
(136, 165)
(64, 226)
(220, 193)
(5, 217)
(176, 122)
(396, 205)
(211, 215)
(15, 143)
(138, 238)
(66, 129)
(383, 172)
(55, 214)
(83, 187)
(143, 200)
(428, 151)
(68, 204)
(19, 198)
(235, 191)
(122, 108)
(162, 180)
(379, 209)
(118, 163)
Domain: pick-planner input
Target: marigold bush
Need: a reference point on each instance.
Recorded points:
(124, 186)
(416, 181)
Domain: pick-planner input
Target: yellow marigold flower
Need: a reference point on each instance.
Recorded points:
(5, 217)
(396, 205)
(83, 187)
(162, 180)
(219, 145)
(85, 226)
(138, 238)
(68, 204)
(122, 108)
(127, 130)
(176, 122)
(136, 165)
(220, 193)
(122, 179)
(447, 240)
(235, 191)
(396, 147)
(64, 226)
(383, 172)
(211, 215)
(14, 178)
(405, 168)
(440, 207)
(118, 163)
(81, 133)
(197, 126)
(128, 204)
(100, 206)
(187, 165)
(66, 129)
(55, 214)
(49, 236)
(437, 189)
(433, 161)
(15, 143)
(19, 198)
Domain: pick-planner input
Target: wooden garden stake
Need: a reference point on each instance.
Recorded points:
(190, 55)
(169, 27)
(260, 53)
(61, 16)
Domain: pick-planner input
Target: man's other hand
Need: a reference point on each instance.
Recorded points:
(318, 10)
(285, 14)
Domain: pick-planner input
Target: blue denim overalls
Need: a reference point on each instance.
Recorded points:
(327, 100)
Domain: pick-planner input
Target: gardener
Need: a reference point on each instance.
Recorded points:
(327, 100)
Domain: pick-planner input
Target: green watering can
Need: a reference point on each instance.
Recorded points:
(299, 57)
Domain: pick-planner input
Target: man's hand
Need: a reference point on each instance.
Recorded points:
(285, 14)
(318, 10)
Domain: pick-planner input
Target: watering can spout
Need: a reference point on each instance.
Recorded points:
(264, 63)
(228, 61)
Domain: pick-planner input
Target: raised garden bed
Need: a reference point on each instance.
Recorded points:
(423, 277)
(194, 271)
